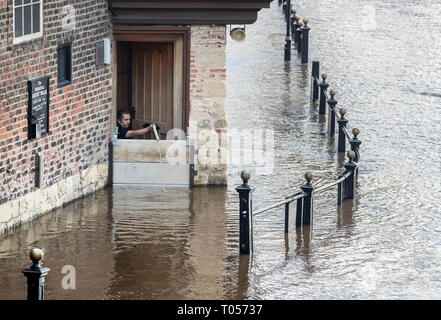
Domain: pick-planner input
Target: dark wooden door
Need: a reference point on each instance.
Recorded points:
(152, 86)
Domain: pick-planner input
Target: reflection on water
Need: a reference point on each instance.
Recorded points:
(79, 235)
(178, 244)
(129, 243)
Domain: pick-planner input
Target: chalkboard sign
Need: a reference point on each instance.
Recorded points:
(38, 108)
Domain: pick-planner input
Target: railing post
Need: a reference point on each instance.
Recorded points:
(315, 73)
(288, 32)
(331, 116)
(286, 217)
(339, 193)
(299, 209)
(245, 214)
(323, 88)
(36, 275)
(355, 144)
(299, 36)
(349, 183)
(295, 33)
(305, 41)
(293, 23)
(342, 122)
(307, 200)
(287, 11)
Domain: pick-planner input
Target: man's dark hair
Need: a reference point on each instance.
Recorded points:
(120, 114)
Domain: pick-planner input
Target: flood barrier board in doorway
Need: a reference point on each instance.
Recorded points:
(151, 162)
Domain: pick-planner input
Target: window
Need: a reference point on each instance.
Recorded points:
(28, 20)
(64, 65)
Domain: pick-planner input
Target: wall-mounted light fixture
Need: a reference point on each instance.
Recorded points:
(238, 33)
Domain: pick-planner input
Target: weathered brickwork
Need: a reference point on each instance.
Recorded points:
(207, 98)
(80, 113)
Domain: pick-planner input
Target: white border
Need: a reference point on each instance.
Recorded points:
(31, 36)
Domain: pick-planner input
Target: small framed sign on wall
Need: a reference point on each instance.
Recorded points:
(38, 107)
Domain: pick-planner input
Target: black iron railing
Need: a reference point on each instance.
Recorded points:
(297, 30)
(319, 93)
(345, 182)
(304, 201)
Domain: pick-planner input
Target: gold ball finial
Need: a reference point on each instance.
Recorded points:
(308, 176)
(245, 175)
(301, 24)
(297, 18)
(355, 132)
(294, 11)
(324, 76)
(332, 93)
(351, 155)
(36, 255)
(305, 20)
(342, 111)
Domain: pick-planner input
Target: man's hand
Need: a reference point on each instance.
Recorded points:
(148, 125)
(137, 133)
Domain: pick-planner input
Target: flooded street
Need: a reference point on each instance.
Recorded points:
(135, 243)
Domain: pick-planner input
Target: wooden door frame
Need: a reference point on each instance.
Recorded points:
(160, 34)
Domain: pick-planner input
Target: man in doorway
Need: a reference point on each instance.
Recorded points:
(123, 118)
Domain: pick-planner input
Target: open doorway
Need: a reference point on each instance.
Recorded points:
(145, 84)
(152, 76)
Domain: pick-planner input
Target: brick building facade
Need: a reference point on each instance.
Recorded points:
(76, 147)
(83, 94)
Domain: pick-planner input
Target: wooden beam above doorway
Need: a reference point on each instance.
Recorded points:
(191, 12)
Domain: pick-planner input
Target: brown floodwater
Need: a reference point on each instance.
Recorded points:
(382, 58)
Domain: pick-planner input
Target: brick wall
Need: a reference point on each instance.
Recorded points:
(207, 98)
(80, 113)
